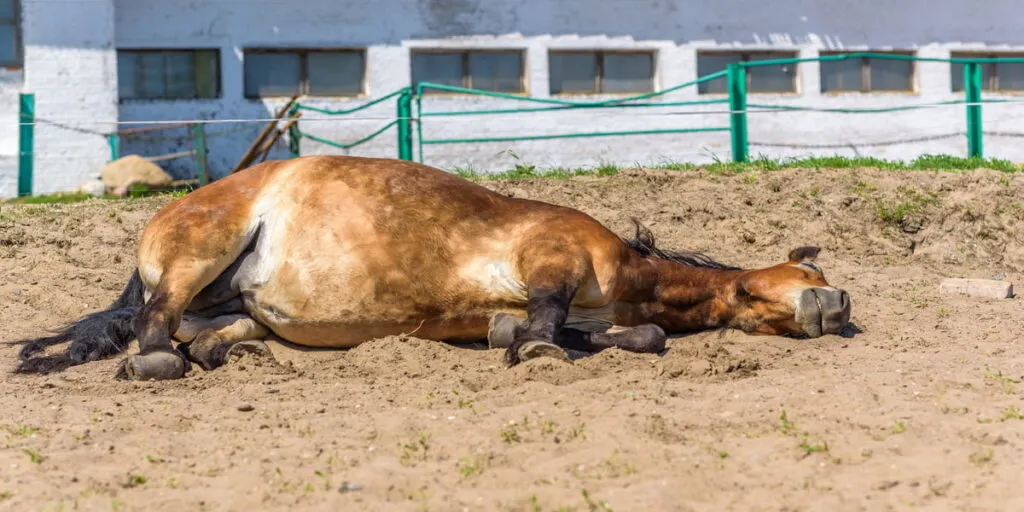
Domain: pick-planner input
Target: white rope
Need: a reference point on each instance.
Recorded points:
(589, 111)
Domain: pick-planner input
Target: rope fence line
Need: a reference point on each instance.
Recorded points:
(757, 109)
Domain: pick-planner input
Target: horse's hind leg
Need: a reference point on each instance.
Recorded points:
(156, 323)
(212, 342)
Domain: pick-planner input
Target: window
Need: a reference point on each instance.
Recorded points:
(168, 74)
(272, 73)
(867, 75)
(489, 70)
(996, 76)
(780, 78)
(598, 72)
(10, 34)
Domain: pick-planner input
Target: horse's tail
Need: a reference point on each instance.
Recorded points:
(94, 336)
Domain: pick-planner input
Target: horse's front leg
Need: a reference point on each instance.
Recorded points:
(645, 338)
(545, 314)
(552, 275)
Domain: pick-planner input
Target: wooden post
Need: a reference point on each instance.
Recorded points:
(253, 152)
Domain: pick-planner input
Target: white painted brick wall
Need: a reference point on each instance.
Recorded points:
(10, 85)
(79, 82)
(70, 67)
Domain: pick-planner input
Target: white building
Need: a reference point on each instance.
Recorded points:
(93, 63)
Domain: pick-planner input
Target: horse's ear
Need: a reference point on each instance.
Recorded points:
(804, 254)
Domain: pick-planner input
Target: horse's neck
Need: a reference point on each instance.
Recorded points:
(681, 297)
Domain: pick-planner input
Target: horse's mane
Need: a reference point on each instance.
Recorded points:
(644, 244)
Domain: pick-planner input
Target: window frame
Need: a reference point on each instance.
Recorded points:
(745, 57)
(865, 72)
(304, 70)
(218, 88)
(19, 55)
(599, 79)
(467, 75)
(983, 54)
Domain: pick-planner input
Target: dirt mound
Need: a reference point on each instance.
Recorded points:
(918, 404)
(694, 358)
(884, 216)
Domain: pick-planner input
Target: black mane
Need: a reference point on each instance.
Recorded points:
(644, 244)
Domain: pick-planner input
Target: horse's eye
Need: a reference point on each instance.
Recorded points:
(811, 265)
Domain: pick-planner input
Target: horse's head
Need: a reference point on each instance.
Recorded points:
(792, 298)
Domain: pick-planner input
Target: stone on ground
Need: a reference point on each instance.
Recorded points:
(130, 170)
(989, 288)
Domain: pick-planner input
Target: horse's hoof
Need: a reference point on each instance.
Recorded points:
(242, 349)
(501, 330)
(535, 349)
(154, 366)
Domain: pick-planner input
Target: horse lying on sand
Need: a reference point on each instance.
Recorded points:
(332, 251)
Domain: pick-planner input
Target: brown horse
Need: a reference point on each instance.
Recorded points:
(332, 251)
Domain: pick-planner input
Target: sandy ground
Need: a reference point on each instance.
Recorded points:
(921, 409)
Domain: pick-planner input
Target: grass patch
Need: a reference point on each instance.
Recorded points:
(910, 201)
(762, 163)
(134, 192)
(60, 198)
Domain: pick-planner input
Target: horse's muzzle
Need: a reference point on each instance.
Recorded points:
(823, 311)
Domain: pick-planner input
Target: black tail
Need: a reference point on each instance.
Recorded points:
(94, 336)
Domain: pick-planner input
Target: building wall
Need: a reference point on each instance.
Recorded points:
(10, 85)
(75, 66)
(69, 65)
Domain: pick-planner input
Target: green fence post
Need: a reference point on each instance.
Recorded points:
(404, 112)
(737, 83)
(419, 124)
(972, 90)
(294, 135)
(114, 141)
(199, 141)
(26, 142)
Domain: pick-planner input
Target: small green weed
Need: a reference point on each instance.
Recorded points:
(1012, 413)
(33, 455)
(786, 426)
(594, 505)
(475, 465)
(510, 433)
(416, 450)
(17, 430)
(815, 447)
(578, 432)
(134, 480)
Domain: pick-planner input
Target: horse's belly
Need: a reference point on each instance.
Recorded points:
(345, 331)
(345, 314)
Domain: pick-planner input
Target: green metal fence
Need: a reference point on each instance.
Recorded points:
(412, 117)
(413, 134)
